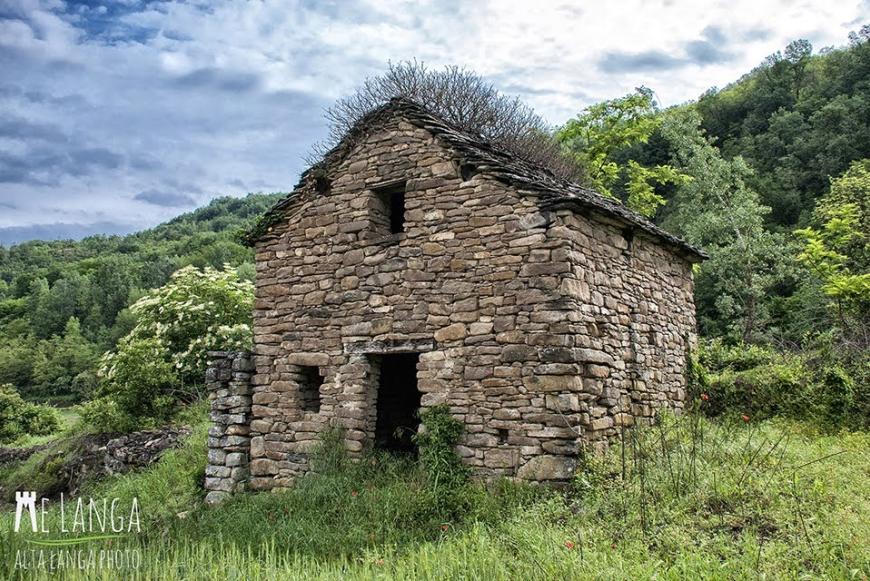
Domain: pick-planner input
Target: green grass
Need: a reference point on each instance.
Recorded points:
(688, 499)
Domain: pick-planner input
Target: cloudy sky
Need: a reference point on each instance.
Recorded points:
(115, 116)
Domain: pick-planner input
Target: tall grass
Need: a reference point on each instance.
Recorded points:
(688, 498)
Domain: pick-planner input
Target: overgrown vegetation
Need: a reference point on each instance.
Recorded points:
(161, 363)
(437, 448)
(689, 498)
(821, 387)
(19, 418)
(460, 97)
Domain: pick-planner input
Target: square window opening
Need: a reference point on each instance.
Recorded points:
(310, 382)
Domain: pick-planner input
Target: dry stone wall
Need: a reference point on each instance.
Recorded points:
(228, 381)
(544, 331)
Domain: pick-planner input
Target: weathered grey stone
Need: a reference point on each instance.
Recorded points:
(553, 327)
(215, 497)
(548, 468)
(451, 333)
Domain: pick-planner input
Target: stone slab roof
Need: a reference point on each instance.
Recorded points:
(484, 157)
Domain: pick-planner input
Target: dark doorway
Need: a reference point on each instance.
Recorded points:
(398, 402)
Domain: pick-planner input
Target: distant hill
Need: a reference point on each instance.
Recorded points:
(798, 119)
(59, 231)
(62, 303)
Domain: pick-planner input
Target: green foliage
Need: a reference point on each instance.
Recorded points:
(161, 362)
(94, 280)
(62, 364)
(719, 212)
(821, 384)
(19, 418)
(838, 251)
(642, 197)
(602, 133)
(16, 361)
(436, 443)
(140, 389)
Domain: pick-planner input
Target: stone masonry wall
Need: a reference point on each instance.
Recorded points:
(228, 381)
(544, 331)
(632, 306)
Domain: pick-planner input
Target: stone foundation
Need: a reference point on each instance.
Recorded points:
(228, 381)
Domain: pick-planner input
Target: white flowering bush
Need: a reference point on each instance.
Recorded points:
(161, 363)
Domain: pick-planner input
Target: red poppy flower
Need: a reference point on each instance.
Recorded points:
(379, 562)
(705, 397)
(444, 527)
(353, 493)
(745, 418)
(569, 545)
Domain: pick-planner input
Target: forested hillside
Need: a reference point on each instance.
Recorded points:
(761, 476)
(798, 119)
(758, 173)
(62, 304)
(766, 174)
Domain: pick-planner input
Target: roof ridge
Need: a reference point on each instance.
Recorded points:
(490, 158)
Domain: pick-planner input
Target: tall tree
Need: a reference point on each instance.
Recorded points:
(837, 251)
(718, 211)
(596, 138)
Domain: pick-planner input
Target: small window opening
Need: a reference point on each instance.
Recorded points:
(392, 204)
(502, 436)
(628, 234)
(467, 171)
(310, 381)
(322, 185)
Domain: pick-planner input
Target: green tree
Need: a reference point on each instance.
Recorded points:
(161, 363)
(19, 418)
(61, 359)
(719, 212)
(837, 251)
(601, 134)
(52, 307)
(16, 361)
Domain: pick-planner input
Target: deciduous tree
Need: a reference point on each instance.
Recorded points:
(597, 137)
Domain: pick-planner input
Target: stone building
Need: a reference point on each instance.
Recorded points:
(416, 265)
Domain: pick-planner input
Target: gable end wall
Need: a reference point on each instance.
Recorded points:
(537, 328)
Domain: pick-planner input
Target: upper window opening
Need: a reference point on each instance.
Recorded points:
(391, 206)
(310, 381)
(322, 185)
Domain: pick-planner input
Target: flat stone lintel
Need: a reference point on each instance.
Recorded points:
(390, 346)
